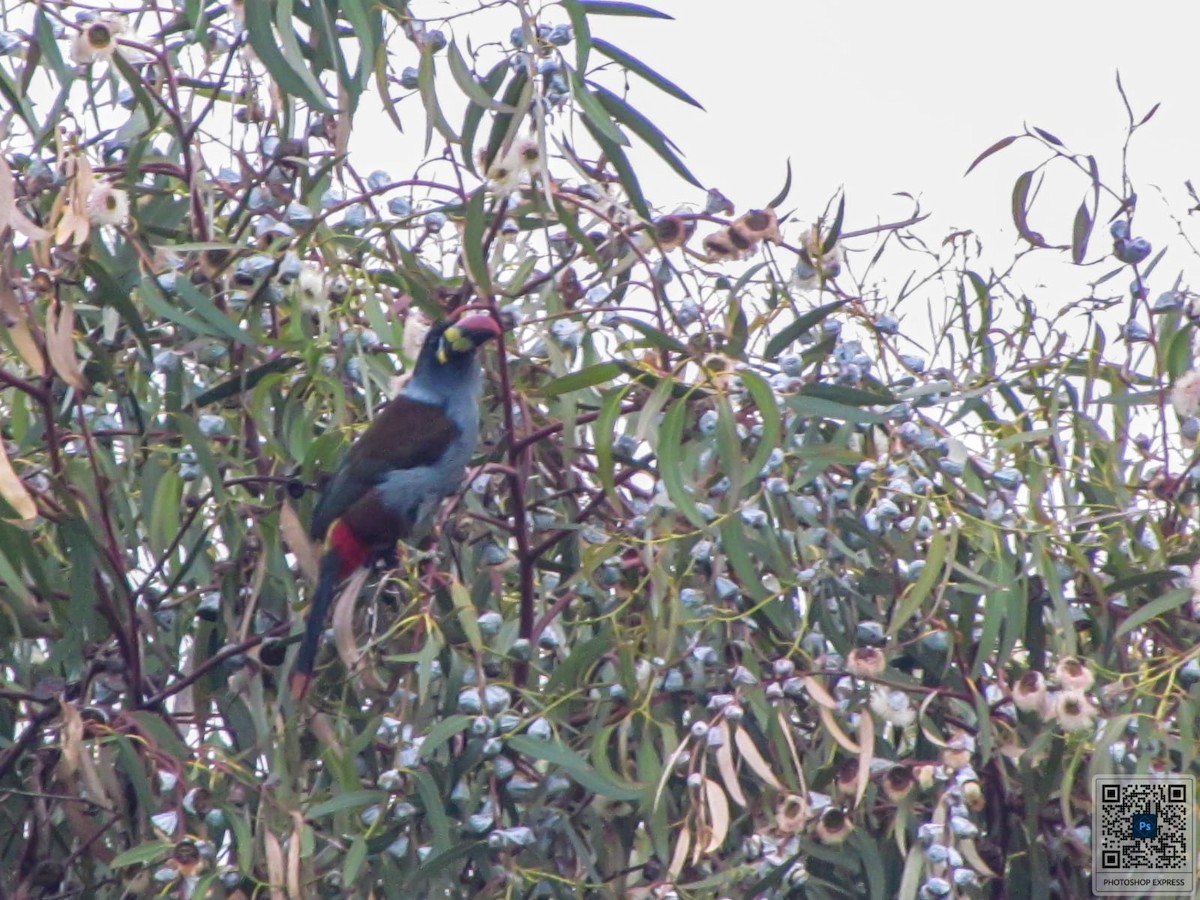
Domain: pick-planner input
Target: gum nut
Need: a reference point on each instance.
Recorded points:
(1119, 229)
(298, 214)
(408, 78)
(434, 221)
(887, 324)
(560, 35)
(399, 206)
(1133, 331)
(1132, 251)
(708, 422)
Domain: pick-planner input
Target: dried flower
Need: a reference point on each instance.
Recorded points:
(847, 777)
(1073, 710)
(1185, 393)
(1029, 694)
(718, 246)
(866, 662)
(98, 39)
(758, 225)
(791, 814)
(107, 205)
(898, 783)
(671, 232)
(1074, 675)
(834, 826)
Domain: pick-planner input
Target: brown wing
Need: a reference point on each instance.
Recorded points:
(405, 435)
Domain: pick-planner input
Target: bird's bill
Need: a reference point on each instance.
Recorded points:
(471, 332)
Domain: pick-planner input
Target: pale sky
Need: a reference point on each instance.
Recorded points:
(886, 96)
(880, 97)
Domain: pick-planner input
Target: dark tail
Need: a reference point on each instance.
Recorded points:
(314, 625)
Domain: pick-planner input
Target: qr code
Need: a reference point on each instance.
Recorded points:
(1145, 824)
(1143, 835)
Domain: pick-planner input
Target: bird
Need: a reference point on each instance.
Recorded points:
(394, 477)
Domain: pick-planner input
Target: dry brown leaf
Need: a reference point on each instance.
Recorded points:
(718, 814)
(324, 732)
(275, 869)
(966, 846)
(818, 692)
(754, 759)
(668, 769)
(295, 845)
(74, 226)
(866, 737)
(295, 538)
(16, 322)
(726, 768)
(72, 740)
(10, 214)
(835, 729)
(343, 619)
(680, 854)
(13, 490)
(60, 346)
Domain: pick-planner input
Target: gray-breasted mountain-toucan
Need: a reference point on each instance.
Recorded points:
(396, 474)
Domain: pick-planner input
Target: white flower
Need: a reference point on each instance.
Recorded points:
(1029, 694)
(1074, 675)
(98, 39)
(892, 706)
(107, 205)
(311, 289)
(1185, 394)
(1073, 710)
(527, 154)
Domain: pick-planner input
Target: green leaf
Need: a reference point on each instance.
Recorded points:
(851, 396)
(356, 855)
(203, 306)
(619, 8)
(820, 408)
(670, 463)
(109, 293)
(490, 84)
(435, 810)
(440, 733)
(434, 117)
(802, 324)
(646, 130)
(635, 65)
(287, 67)
(246, 381)
(835, 231)
(347, 800)
(468, 616)
(466, 80)
(935, 561)
(1020, 209)
(583, 33)
(575, 766)
(594, 112)
(736, 550)
(141, 854)
(43, 33)
(601, 373)
(1080, 233)
(1152, 610)
(768, 411)
(474, 233)
(655, 337)
(785, 190)
(506, 124)
(610, 410)
(571, 673)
